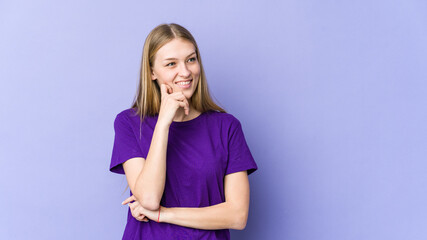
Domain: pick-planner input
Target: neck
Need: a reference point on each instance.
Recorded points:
(180, 114)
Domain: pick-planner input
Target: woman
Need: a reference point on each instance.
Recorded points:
(185, 159)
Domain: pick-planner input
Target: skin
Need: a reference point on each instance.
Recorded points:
(173, 62)
(177, 61)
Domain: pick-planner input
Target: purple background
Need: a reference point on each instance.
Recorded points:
(332, 98)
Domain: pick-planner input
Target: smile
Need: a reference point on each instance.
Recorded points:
(185, 84)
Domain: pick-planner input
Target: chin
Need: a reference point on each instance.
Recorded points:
(188, 96)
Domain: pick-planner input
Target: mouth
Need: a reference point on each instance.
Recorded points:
(184, 84)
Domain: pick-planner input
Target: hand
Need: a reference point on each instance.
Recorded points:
(141, 212)
(135, 209)
(170, 102)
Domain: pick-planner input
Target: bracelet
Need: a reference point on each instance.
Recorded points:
(159, 215)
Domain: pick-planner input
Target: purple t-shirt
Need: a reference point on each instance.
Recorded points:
(200, 153)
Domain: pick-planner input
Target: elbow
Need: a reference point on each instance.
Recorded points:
(148, 203)
(240, 225)
(240, 220)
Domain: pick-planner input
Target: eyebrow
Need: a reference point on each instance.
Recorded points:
(167, 59)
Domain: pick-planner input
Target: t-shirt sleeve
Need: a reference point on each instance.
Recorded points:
(125, 144)
(239, 155)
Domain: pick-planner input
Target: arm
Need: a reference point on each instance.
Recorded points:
(233, 213)
(146, 177)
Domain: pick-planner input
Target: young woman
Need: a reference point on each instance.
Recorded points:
(185, 159)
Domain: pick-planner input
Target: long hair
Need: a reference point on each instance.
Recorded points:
(148, 95)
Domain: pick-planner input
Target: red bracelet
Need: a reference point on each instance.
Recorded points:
(159, 215)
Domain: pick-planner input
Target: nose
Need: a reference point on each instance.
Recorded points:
(184, 72)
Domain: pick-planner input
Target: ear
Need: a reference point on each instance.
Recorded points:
(153, 75)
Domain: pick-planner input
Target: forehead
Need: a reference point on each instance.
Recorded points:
(177, 48)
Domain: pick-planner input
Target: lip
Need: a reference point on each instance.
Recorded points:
(184, 86)
(184, 80)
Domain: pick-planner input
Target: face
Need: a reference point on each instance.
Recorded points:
(176, 64)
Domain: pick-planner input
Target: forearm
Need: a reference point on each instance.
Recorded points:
(150, 183)
(219, 216)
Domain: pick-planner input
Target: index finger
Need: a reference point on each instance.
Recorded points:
(163, 89)
(187, 105)
(129, 199)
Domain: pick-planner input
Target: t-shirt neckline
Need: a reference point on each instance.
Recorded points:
(192, 121)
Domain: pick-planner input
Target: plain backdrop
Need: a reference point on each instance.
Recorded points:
(331, 95)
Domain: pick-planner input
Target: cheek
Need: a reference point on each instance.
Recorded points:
(196, 70)
(166, 77)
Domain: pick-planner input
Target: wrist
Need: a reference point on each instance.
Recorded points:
(165, 214)
(162, 124)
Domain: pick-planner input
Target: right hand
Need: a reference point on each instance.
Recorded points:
(170, 102)
(136, 209)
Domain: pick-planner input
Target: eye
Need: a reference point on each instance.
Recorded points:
(170, 64)
(192, 59)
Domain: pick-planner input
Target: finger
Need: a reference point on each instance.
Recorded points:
(136, 213)
(142, 219)
(132, 206)
(178, 96)
(170, 89)
(187, 107)
(129, 199)
(163, 90)
(139, 217)
(184, 105)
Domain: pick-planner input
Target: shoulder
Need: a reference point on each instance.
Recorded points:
(122, 117)
(130, 118)
(224, 118)
(127, 117)
(127, 113)
(131, 115)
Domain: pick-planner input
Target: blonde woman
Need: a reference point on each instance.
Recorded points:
(185, 158)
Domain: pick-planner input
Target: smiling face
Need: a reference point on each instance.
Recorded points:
(176, 64)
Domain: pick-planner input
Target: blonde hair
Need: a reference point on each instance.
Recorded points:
(148, 96)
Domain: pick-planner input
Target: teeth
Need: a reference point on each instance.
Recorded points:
(184, 83)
